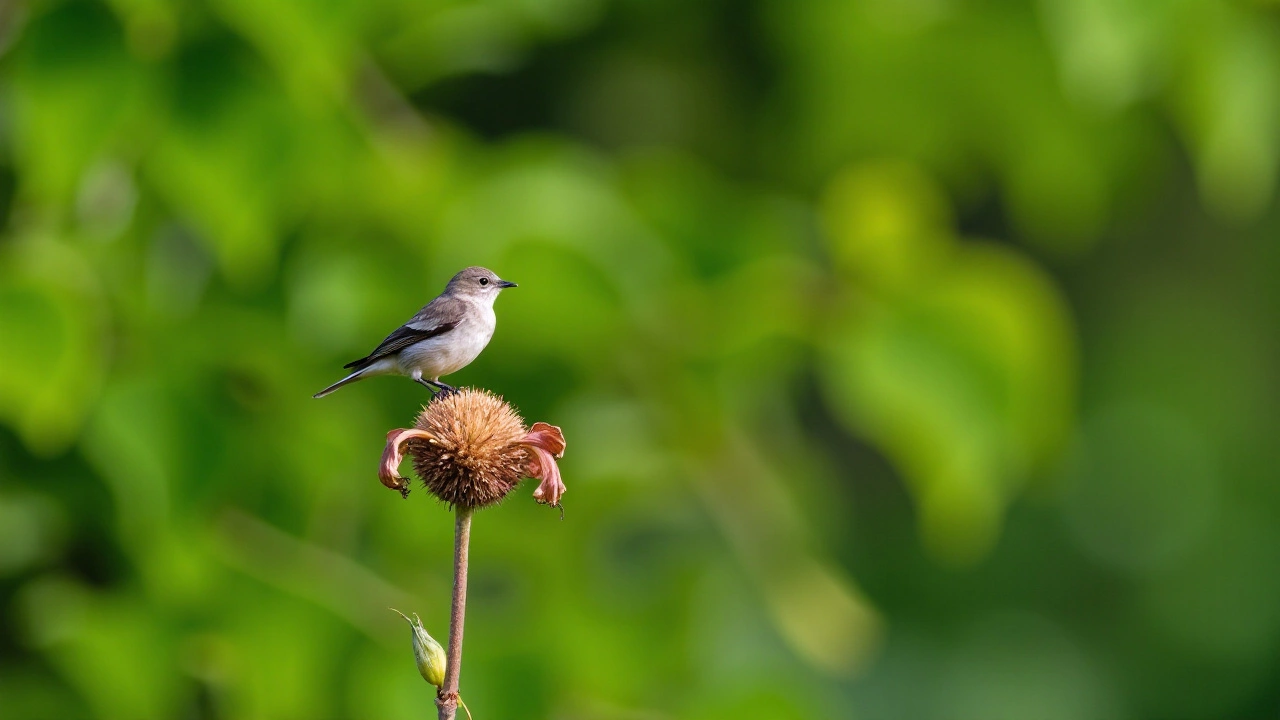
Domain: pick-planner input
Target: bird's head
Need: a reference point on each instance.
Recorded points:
(477, 283)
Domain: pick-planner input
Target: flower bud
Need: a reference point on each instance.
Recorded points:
(426, 651)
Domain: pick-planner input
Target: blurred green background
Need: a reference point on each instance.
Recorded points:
(917, 358)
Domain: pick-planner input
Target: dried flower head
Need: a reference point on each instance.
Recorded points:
(471, 448)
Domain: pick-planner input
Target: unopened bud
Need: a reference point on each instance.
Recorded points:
(428, 653)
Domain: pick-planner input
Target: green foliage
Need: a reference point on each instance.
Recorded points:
(916, 359)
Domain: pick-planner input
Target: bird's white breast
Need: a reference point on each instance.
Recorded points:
(455, 349)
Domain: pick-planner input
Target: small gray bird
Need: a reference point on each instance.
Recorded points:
(444, 337)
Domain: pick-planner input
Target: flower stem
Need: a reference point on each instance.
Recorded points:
(447, 698)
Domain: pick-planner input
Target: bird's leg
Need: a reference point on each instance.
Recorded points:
(439, 389)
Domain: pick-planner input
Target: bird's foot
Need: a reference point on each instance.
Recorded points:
(445, 390)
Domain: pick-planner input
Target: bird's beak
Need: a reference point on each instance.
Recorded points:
(506, 284)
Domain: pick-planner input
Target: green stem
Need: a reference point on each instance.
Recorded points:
(447, 698)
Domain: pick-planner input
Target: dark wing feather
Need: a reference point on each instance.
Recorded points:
(403, 337)
(436, 318)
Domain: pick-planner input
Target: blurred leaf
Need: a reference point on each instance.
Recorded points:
(888, 225)
(51, 322)
(74, 88)
(1228, 106)
(226, 160)
(111, 647)
(965, 384)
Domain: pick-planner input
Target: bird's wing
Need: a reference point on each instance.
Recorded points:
(438, 317)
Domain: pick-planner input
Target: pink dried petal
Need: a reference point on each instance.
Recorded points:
(546, 437)
(389, 469)
(546, 443)
(542, 466)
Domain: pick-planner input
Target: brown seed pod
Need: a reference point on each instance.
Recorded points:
(470, 448)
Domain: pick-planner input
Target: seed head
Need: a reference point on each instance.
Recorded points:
(471, 448)
(471, 454)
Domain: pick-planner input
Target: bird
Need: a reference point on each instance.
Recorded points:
(442, 338)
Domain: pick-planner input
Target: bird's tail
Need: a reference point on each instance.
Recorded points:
(344, 381)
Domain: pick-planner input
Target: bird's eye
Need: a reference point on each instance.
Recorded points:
(484, 281)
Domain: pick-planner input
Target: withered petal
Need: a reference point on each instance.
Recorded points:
(545, 443)
(542, 466)
(546, 437)
(389, 468)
